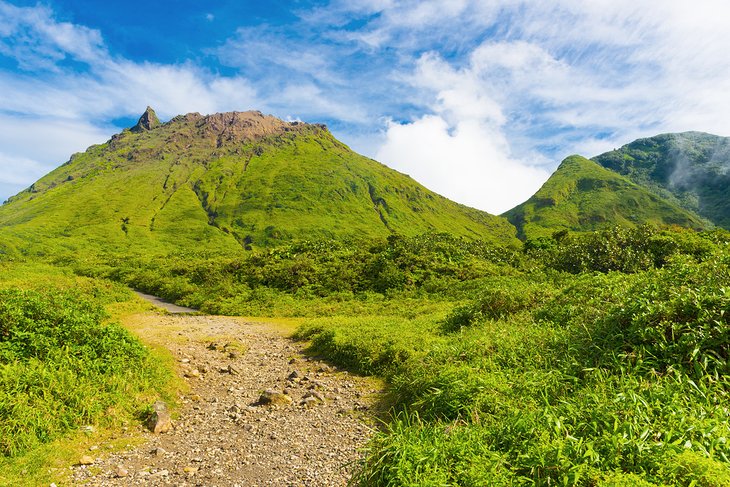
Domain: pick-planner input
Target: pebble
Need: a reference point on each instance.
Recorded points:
(224, 437)
(86, 460)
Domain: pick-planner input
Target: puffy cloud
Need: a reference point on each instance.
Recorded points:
(469, 163)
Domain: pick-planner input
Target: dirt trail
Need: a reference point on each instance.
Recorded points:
(223, 436)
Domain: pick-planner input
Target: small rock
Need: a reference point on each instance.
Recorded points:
(232, 355)
(192, 373)
(292, 360)
(315, 394)
(86, 460)
(293, 375)
(274, 398)
(308, 401)
(93, 447)
(190, 470)
(159, 452)
(121, 472)
(185, 360)
(160, 420)
(161, 473)
(232, 370)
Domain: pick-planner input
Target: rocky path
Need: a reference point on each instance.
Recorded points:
(310, 433)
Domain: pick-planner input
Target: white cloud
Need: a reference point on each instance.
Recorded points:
(469, 163)
(24, 158)
(36, 40)
(577, 77)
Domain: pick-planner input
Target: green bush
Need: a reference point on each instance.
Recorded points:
(61, 367)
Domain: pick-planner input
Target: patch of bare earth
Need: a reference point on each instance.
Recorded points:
(224, 435)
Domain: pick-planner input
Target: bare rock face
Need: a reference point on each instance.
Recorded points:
(240, 127)
(160, 420)
(147, 121)
(219, 129)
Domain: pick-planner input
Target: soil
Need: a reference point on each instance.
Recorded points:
(223, 434)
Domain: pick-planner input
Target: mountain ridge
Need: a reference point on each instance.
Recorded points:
(691, 169)
(227, 182)
(581, 195)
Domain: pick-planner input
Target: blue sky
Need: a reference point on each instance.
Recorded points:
(477, 99)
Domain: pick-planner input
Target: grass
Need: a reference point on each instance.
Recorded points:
(65, 367)
(156, 192)
(583, 196)
(591, 360)
(571, 387)
(581, 358)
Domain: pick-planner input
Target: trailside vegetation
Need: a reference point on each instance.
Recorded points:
(593, 359)
(63, 364)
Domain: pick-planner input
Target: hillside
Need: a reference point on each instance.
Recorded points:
(583, 196)
(689, 169)
(226, 182)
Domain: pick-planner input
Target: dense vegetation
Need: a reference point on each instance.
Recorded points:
(594, 352)
(63, 364)
(583, 196)
(689, 169)
(609, 374)
(583, 359)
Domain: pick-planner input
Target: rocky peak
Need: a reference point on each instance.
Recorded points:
(147, 121)
(237, 127)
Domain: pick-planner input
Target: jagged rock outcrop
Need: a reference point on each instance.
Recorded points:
(147, 121)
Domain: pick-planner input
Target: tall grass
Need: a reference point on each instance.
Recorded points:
(595, 379)
(62, 365)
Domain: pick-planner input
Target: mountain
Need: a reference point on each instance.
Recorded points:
(581, 195)
(691, 169)
(226, 182)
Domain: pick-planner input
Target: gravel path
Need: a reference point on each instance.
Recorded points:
(224, 435)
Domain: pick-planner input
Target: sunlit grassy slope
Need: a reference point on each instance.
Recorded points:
(583, 196)
(690, 169)
(201, 182)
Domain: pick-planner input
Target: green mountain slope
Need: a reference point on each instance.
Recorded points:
(583, 196)
(690, 169)
(222, 183)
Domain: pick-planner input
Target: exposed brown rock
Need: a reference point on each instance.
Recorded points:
(160, 420)
(147, 121)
